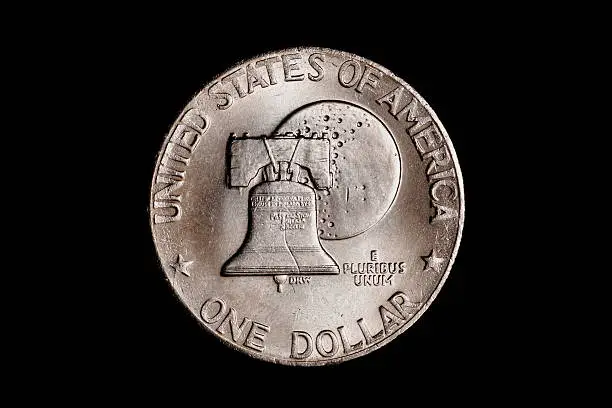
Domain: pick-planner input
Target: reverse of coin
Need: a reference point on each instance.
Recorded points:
(307, 206)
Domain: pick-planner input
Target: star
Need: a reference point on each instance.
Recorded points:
(181, 266)
(432, 261)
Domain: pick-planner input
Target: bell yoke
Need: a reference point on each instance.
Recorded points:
(282, 237)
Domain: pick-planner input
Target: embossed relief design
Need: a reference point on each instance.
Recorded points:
(310, 204)
(330, 171)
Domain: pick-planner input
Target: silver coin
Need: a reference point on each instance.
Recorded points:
(307, 206)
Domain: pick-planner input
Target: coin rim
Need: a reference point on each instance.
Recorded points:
(434, 293)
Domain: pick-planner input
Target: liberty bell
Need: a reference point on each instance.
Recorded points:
(282, 238)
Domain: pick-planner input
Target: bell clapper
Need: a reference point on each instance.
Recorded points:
(280, 279)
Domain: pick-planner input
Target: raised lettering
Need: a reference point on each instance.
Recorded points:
(268, 63)
(233, 78)
(235, 330)
(392, 99)
(185, 137)
(312, 60)
(443, 174)
(168, 175)
(345, 343)
(427, 140)
(226, 98)
(334, 343)
(443, 212)
(370, 77)
(207, 308)
(254, 79)
(171, 172)
(162, 218)
(194, 119)
(400, 301)
(175, 153)
(369, 339)
(417, 122)
(289, 66)
(258, 332)
(295, 336)
(447, 185)
(167, 193)
(440, 158)
(374, 255)
(390, 320)
(351, 67)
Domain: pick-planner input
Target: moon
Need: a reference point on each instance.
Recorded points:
(365, 166)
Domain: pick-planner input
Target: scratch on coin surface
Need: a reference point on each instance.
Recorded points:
(290, 251)
(297, 313)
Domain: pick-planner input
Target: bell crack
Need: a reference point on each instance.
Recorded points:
(280, 279)
(289, 249)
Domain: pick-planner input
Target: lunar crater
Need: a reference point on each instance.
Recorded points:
(364, 165)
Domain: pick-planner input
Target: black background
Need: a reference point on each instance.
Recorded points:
(144, 332)
(99, 88)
